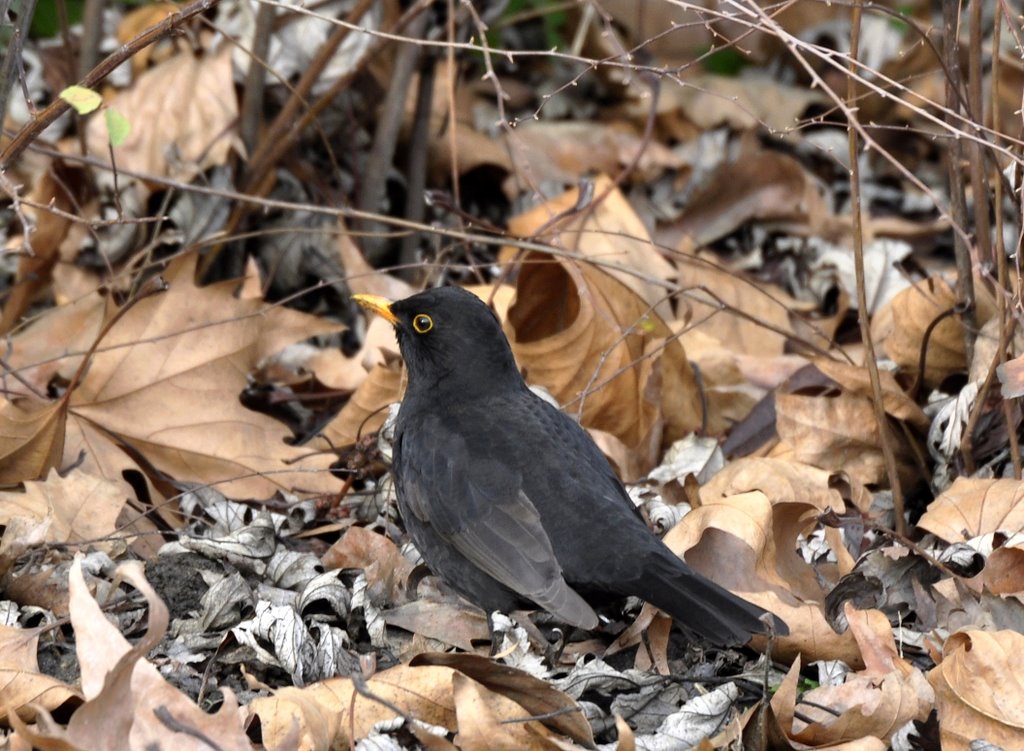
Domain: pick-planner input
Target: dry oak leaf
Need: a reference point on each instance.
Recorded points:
(837, 432)
(77, 508)
(856, 380)
(902, 324)
(536, 696)
(332, 714)
(550, 152)
(360, 277)
(733, 382)
(166, 381)
(786, 481)
(448, 621)
(748, 545)
(971, 508)
(603, 354)
(22, 684)
(128, 703)
(764, 186)
(183, 113)
(31, 439)
(52, 344)
(974, 507)
(489, 721)
(859, 714)
(979, 689)
(874, 702)
(608, 233)
(744, 103)
(387, 570)
(746, 316)
(365, 411)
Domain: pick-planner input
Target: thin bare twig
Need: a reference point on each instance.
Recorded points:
(863, 313)
(58, 106)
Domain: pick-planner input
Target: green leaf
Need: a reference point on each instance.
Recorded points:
(727, 61)
(82, 99)
(118, 126)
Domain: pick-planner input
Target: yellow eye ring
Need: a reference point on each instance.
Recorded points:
(422, 323)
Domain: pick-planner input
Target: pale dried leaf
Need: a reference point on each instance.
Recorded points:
(973, 507)
(76, 508)
(610, 234)
(767, 185)
(166, 382)
(902, 324)
(747, 544)
(53, 344)
(326, 712)
(744, 316)
(22, 685)
(978, 689)
(588, 338)
(183, 112)
(31, 439)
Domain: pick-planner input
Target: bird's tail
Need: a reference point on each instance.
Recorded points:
(702, 607)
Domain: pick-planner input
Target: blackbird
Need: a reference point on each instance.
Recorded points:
(509, 500)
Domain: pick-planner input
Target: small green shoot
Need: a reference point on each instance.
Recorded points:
(85, 100)
(82, 99)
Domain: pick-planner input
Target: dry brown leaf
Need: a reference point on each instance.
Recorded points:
(856, 380)
(48, 235)
(22, 685)
(610, 234)
(973, 507)
(1004, 571)
(387, 570)
(733, 382)
(748, 545)
(126, 695)
(978, 689)
(366, 409)
(456, 623)
(52, 344)
(875, 702)
(490, 722)
(1011, 377)
(103, 458)
(708, 101)
(781, 481)
(901, 326)
(562, 152)
(361, 277)
(836, 432)
(76, 508)
(166, 383)
(583, 335)
(183, 114)
(332, 714)
(744, 316)
(537, 697)
(764, 186)
(627, 741)
(31, 439)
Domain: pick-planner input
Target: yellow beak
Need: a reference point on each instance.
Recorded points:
(379, 305)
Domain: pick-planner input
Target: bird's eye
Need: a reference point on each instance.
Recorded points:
(422, 323)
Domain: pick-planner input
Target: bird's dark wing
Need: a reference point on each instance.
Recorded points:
(477, 504)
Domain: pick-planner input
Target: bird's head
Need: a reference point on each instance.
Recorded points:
(449, 340)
